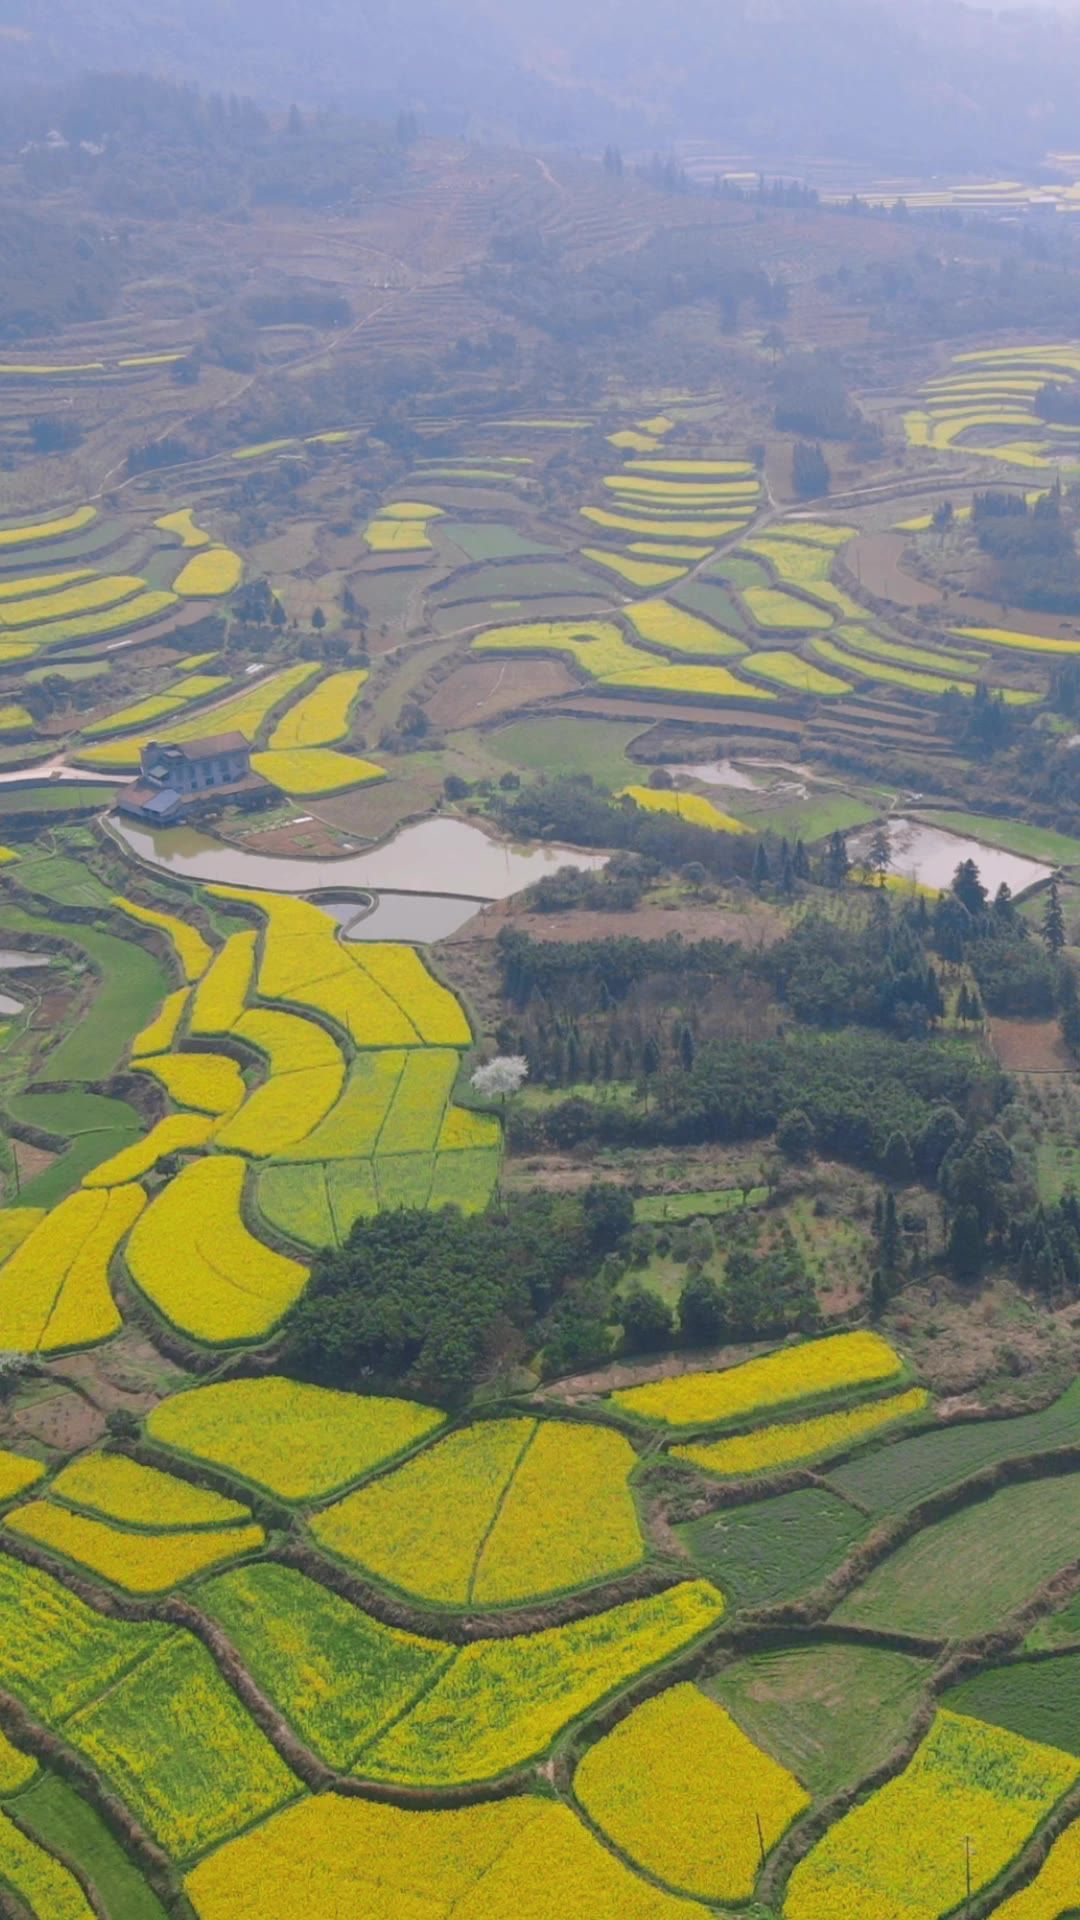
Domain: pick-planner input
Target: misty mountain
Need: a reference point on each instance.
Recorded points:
(888, 83)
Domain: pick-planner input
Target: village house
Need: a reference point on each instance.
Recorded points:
(178, 779)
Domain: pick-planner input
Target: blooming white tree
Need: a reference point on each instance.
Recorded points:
(507, 1073)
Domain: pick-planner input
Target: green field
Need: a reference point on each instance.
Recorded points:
(1057, 1168)
(714, 602)
(55, 1814)
(1038, 843)
(1061, 1629)
(66, 882)
(567, 746)
(488, 540)
(810, 1707)
(96, 1126)
(773, 1549)
(900, 1476)
(1037, 1698)
(809, 820)
(69, 796)
(130, 986)
(964, 1575)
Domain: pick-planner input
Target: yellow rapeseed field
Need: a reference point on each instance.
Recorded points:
(352, 1128)
(680, 1789)
(901, 1855)
(691, 807)
(384, 535)
(304, 771)
(321, 718)
(1025, 642)
(697, 528)
(524, 1858)
(15, 1224)
(783, 1445)
(463, 1131)
(714, 683)
(496, 1513)
(17, 1472)
(175, 1742)
(222, 993)
(54, 1289)
(48, 529)
(670, 627)
(16, 1769)
(47, 1888)
(638, 573)
(433, 1010)
(833, 1365)
(209, 1082)
(194, 1258)
(501, 1703)
(195, 955)
(90, 597)
(23, 585)
(176, 1133)
(797, 674)
(116, 1487)
(304, 961)
(212, 573)
(282, 1112)
(301, 1442)
(414, 1120)
(184, 527)
(158, 706)
(246, 712)
(131, 1558)
(775, 611)
(161, 1032)
(1054, 1887)
(289, 1043)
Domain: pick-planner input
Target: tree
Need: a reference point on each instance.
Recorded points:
(897, 1159)
(660, 780)
(810, 470)
(1069, 1001)
(455, 788)
(609, 1215)
(1053, 924)
(837, 863)
(968, 888)
(318, 620)
(878, 855)
(801, 861)
(761, 868)
(701, 1310)
(650, 1058)
(795, 1135)
(504, 1075)
(889, 1242)
(686, 1049)
(647, 1321)
(965, 1251)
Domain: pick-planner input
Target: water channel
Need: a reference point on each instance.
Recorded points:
(422, 884)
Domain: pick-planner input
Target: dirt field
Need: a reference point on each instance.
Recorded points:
(1030, 1046)
(758, 926)
(479, 691)
(874, 558)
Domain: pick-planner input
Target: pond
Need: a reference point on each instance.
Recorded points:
(14, 961)
(415, 918)
(446, 858)
(717, 773)
(931, 856)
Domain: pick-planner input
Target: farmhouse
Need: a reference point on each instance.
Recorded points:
(180, 778)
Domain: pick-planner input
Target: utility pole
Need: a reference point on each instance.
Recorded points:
(760, 1838)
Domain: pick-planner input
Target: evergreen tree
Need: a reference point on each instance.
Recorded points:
(878, 855)
(837, 864)
(650, 1058)
(701, 1310)
(1053, 925)
(801, 862)
(968, 888)
(966, 1250)
(761, 869)
(787, 870)
(686, 1049)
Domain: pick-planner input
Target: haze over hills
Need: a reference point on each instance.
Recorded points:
(916, 86)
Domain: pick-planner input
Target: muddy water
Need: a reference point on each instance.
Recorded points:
(931, 856)
(718, 773)
(441, 857)
(418, 919)
(12, 961)
(8, 1004)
